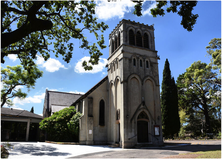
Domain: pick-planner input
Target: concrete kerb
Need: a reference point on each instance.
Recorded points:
(166, 145)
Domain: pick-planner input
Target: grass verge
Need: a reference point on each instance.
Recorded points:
(209, 154)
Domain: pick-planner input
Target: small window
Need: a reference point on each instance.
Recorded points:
(141, 63)
(146, 41)
(147, 64)
(102, 113)
(134, 62)
(138, 39)
(131, 37)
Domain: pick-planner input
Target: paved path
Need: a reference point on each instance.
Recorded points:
(42, 150)
(172, 148)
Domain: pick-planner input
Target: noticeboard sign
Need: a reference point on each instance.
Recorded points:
(156, 130)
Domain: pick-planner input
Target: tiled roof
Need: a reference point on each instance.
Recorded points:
(18, 113)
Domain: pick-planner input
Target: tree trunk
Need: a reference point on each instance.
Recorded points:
(207, 120)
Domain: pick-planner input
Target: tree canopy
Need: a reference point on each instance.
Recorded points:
(14, 76)
(44, 23)
(214, 50)
(197, 94)
(182, 8)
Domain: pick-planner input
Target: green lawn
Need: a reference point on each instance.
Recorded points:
(207, 154)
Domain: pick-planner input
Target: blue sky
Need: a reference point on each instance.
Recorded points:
(172, 41)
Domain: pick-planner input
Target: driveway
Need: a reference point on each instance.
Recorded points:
(172, 148)
(42, 150)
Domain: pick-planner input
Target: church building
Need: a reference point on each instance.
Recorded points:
(124, 107)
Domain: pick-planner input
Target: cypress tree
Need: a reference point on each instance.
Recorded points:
(169, 103)
(32, 110)
(175, 112)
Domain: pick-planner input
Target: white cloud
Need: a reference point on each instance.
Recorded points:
(104, 74)
(40, 60)
(96, 68)
(18, 87)
(77, 92)
(106, 10)
(12, 57)
(34, 99)
(147, 11)
(51, 65)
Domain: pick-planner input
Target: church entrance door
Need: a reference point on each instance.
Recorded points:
(142, 131)
(142, 127)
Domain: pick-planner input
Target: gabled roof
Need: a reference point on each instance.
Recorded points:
(18, 113)
(91, 90)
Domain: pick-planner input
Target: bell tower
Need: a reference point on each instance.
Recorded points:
(134, 93)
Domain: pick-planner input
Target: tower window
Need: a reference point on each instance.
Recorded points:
(116, 43)
(102, 113)
(141, 63)
(138, 39)
(131, 37)
(112, 46)
(134, 62)
(147, 64)
(146, 41)
(118, 39)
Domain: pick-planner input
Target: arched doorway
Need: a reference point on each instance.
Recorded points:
(142, 127)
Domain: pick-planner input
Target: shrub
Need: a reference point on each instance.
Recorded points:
(219, 135)
(4, 152)
(62, 125)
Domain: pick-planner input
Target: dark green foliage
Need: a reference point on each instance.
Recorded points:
(62, 125)
(32, 110)
(169, 104)
(182, 8)
(138, 8)
(14, 76)
(199, 96)
(214, 50)
(44, 23)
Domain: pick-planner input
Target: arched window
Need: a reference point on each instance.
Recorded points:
(146, 40)
(147, 64)
(138, 39)
(131, 37)
(102, 113)
(143, 115)
(112, 46)
(141, 63)
(118, 39)
(134, 62)
(116, 43)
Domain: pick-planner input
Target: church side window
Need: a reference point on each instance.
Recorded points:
(141, 63)
(147, 64)
(138, 39)
(146, 41)
(134, 62)
(102, 113)
(131, 37)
